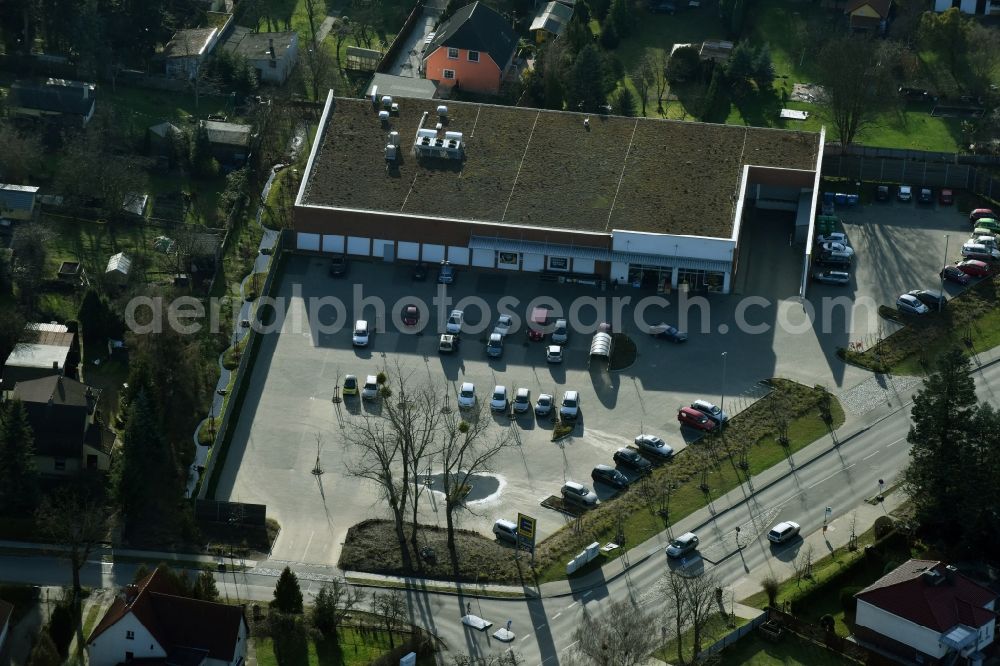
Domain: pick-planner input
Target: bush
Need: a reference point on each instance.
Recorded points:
(62, 623)
(684, 65)
(883, 527)
(847, 600)
(771, 587)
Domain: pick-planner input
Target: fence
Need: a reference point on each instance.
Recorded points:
(893, 170)
(733, 636)
(849, 650)
(835, 149)
(230, 417)
(400, 41)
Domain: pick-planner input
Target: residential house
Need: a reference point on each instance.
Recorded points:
(400, 86)
(550, 21)
(69, 102)
(272, 54)
(6, 611)
(230, 142)
(119, 267)
(151, 621)
(868, 14)
(472, 50)
(17, 202)
(716, 50)
(68, 433)
(44, 351)
(926, 612)
(979, 7)
(187, 50)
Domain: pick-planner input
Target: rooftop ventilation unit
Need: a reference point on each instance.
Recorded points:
(383, 116)
(431, 143)
(391, 153)
(386, 101)
(394, 138)
(442, 112)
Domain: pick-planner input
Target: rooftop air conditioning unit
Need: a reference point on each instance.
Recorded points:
(387, 101)
(383, 116)
(442, 111)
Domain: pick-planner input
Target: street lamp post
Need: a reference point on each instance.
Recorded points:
(722, 403)
(947, 237)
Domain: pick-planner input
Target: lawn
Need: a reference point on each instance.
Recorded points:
(970, 321)
(791, 650)
(717, 627)
(354, 649)
(139, 108)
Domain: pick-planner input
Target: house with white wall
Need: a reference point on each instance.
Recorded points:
(980, 7)
(927, 612)
(149, 620)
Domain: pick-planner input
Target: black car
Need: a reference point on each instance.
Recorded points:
(338, 266)
(420, 272)
(833, 259)
(446, 273)
(882, 193)
(629, 458)
(953, 274)
(609, 476)
(925, 196)
(932, 298)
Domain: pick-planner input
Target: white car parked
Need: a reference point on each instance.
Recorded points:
(836, 247)
(835, 237)
(467, 396)
(498, 403)
(360, 338)
(504, 322)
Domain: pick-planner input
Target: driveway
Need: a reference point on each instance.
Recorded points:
(408, 60)
(289, 417)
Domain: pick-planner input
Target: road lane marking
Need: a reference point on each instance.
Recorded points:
(875, 452)
(901, 439)
(539, 627)
(571, 605)
(557, 615)
(524, 638)
(587, 594)
(827, 478)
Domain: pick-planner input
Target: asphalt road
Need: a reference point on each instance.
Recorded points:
(841, 479)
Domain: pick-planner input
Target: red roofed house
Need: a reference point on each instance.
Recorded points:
(471, 50)
(868, 14)
(923, 611)
(153, 623)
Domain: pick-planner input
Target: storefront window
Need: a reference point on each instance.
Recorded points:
(507, 259)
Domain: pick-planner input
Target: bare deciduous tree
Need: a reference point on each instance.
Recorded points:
(857, 88)
(390, 607)
(658, 62)
(76, 522)
(334, 602)
(693, 599)
(621, 636)
(643, 79)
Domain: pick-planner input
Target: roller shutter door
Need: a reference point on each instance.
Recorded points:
(409, 251)
(333, 243)
(483, 258)
(433, 253)
(458, 255)
(307, 241)
(361, 246)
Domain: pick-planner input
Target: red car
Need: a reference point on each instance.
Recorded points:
(411, 315)
(980, 213)
(954, 274)
(695, 419)
(946, 197)
(974, 267)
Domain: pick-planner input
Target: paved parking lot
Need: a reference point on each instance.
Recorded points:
(900, 246)
(289, 402)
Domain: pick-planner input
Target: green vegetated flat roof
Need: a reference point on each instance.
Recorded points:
(544, 168)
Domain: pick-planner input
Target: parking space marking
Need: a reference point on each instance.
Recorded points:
(873, 453)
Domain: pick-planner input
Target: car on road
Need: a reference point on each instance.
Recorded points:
(543, 406)
(609, 476)
(954, 274)
(782, 532)
(360, 338)
(244, 323)
(505, 530)
(833, 237)
(498, 403)
(370, 390)
(910, 305)
(553, 354)
(668, 332)
(882, 193)
(504, 322)
(522, 400)
(905, 193)
(629, 458)
(974, 267)
(946, 197)
(449, 343)
(695, 419)
(411, 315)
(560, 332)
(467, 396)
(654, 445)
(446, 273)
(419, 273)
(926, 196)
(832, 277)
(454, 323)
(932, 298)
(569, 409)
(338, 266)
(683, 545)
(832, 246)
(980, 213)
(577, 493)
(494, 346)
(711, 410)
(350, 385)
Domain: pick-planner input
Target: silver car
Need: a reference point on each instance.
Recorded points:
(543, 406)
(522, 400)
(577, 493)
(654, 445)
